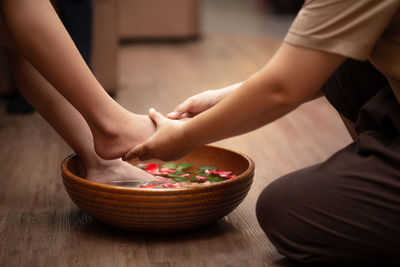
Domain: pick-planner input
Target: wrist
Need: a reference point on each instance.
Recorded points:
(190, 140)
(228, 90)
(233, 87)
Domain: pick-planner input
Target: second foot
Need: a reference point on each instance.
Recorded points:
(112, 171)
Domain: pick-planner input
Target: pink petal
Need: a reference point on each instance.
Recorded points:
(161, 178)
(201, 177)
(209, 172)
(167, 171)
(223, 173)
(186, 175)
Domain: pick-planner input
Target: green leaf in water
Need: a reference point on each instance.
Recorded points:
(203, 169)
(176, 174)
(184, 166)
(180, 179)
(170, 165)
(215, 179)
(193, 179)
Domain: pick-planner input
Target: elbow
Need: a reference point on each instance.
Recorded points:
(285, 99)
(289, 91)
(286, 96)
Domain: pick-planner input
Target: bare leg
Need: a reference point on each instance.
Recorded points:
(38, 35)
(70, 125)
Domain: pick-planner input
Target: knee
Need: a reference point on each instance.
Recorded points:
(276, 208)
(268, 206)
(271, 207)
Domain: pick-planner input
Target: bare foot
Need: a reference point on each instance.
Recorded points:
(120, 135)
(116, 170)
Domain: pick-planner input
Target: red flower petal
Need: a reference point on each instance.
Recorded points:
(152, 167)
(147, 186)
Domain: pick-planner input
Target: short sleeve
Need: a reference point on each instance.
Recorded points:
(345, 27)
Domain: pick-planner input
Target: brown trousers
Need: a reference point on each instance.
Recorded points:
(346, 209)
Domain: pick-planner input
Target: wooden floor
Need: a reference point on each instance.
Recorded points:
(40, 226)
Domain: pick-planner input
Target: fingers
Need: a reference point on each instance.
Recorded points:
(180, 109)
(139, 151)
(135, 152)
(142, 151)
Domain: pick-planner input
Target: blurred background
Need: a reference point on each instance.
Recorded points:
(271, 18)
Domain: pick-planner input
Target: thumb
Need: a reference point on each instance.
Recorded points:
(156, 116)
(180, 109)
(135, 152)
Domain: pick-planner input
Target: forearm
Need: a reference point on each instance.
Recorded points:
(231, 88)
(251, 105)
(286, 82)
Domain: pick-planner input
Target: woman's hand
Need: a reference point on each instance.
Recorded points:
(167, 143)
(201, 102)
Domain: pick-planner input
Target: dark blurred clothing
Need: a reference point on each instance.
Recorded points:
(76, 16)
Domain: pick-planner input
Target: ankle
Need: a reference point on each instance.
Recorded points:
(109, 122)
(94, 161)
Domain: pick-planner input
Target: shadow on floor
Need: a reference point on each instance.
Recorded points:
(92, 226)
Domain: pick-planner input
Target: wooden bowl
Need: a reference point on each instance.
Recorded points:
(163, 210)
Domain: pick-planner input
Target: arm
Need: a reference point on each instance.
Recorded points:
(292, 77)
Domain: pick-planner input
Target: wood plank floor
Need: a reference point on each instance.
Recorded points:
(40, 226)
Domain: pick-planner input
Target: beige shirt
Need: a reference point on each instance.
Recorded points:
(359, 29)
